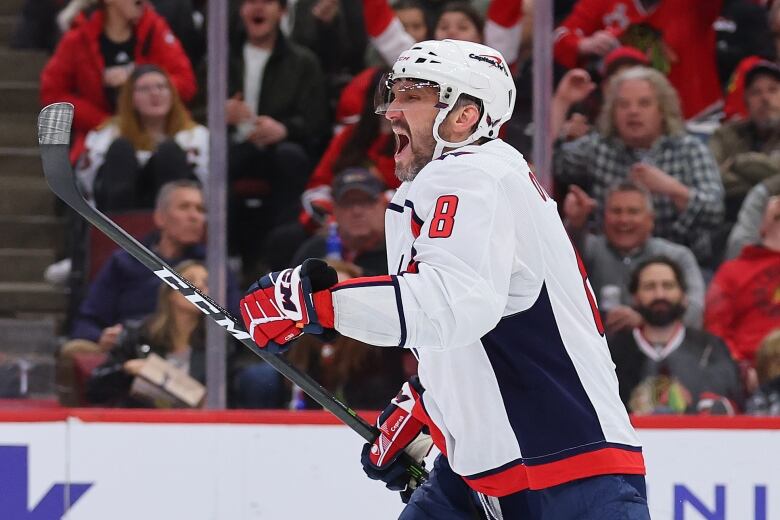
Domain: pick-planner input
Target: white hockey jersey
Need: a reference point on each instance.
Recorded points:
(488, 290)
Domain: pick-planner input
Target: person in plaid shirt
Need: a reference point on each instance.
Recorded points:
(641, 138)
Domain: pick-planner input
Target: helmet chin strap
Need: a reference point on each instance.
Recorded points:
(442, 143)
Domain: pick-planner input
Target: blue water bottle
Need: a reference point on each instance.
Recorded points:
(333, 242)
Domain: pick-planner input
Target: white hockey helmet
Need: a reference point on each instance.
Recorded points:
(458, 67)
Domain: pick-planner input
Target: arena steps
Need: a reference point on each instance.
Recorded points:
(29, 264)
(11, 7)
(7, 25)
(25, 196)
(31, 232)
(21, 65)
(19, 96)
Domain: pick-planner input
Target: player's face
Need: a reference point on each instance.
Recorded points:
(659, 297)
(411, 114)
(260, 18)
(637, 114)
(182, 220)
(762, 99)
(413, 21)
(361, 218)
(456, 26)
(152, 96)
(628, 221)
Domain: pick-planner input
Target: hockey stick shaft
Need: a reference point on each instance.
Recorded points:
(54, 124)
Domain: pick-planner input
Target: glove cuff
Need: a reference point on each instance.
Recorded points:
(323, 304)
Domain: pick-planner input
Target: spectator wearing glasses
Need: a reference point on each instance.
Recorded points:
(359, 216)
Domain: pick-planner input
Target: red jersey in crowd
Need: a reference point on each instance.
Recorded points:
(75, 71)
(677, 34)
(743, 301)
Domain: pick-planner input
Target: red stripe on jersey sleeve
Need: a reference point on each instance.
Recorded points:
(362, 281)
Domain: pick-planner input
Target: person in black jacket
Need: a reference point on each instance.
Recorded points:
(280, 121)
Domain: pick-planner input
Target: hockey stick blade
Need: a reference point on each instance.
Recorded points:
(54, 125)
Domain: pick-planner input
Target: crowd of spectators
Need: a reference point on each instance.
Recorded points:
(666, 119)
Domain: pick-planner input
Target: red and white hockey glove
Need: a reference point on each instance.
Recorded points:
(283, 305)
(399, 431)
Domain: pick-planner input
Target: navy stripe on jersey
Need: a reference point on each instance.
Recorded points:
(409, 204)
(395, 207)
(546, 404)
(401, 317)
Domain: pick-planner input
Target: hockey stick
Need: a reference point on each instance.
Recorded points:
(54, 124)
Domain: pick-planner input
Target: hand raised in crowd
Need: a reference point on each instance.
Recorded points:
(575, 127)
(117, 75)
(267, 131)
(574, 87)
(598, 44)
(134, 366)
(236, 110)
(622, 317)
(658, 181)
(110, 336)
(577, 207)
(325, 10)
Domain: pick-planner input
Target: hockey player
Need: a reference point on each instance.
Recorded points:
(516, 386)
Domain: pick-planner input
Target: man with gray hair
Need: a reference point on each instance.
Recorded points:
(626, 242)
(125, 290)
(641, 137)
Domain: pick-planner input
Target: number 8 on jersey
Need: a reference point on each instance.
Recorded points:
(443, 216)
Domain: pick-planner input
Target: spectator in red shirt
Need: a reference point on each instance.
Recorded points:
(678, 35)
(97, 56)
(743, 302)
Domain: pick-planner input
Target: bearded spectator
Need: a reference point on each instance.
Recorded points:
(663, 366)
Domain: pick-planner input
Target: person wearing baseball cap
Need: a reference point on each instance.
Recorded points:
(748, 149)
(357, 232)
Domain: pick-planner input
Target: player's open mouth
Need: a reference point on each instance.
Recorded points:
(401, 143)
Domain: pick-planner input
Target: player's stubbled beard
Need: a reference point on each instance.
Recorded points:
(422, 147)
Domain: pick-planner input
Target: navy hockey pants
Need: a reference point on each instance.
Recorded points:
(445, 496)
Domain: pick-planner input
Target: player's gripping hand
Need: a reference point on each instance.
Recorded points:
(400, 430)
(282, 305)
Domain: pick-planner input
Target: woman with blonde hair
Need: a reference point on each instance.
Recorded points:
(174, 332)
(150, 141)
